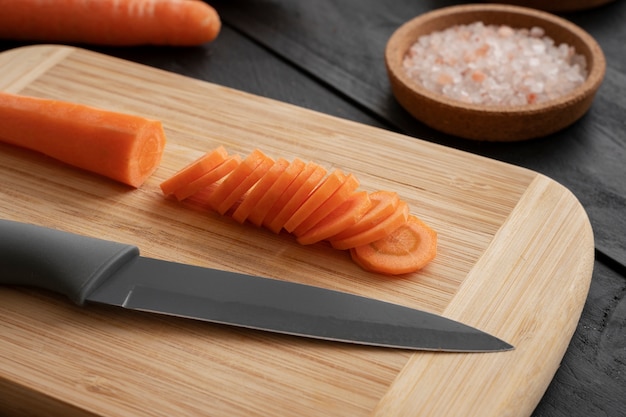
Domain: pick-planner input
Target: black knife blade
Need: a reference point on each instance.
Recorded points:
(88, 269)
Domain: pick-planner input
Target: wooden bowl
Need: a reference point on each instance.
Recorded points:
(493, 122)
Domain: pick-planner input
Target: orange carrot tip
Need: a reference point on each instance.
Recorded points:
(110, 22)
(407, 249)
(124, 147)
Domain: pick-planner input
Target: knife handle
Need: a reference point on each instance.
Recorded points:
(62, 262)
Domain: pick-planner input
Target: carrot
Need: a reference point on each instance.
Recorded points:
(295, 195)
(239, 181)
(314, 200)
(123, 147)
(383, 204)
(264, 205)
(345, 190)
(407, 249)
(209, 178)
(344, 216)
(379, 231)
(110, 22)
(260, 189)
(194, 170)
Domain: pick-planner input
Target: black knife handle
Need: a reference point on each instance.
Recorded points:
(62, 262)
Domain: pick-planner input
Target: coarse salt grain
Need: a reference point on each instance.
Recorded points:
(495, 65)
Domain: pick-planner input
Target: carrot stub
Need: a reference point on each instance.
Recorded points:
(407, 249)
(110, 22)
(124, 147)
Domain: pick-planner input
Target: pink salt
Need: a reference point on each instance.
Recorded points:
(495, 65)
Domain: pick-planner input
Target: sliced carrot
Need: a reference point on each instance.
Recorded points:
(295, 195)
(260, 189)
(384, 203)
(345, 190)
(344, 216)
(376, 232)
(240, 181)
(209, 178)
(407, 249)
(194, 170)
(314, 200)
(110, 22)
(123, 147)
(264, 205)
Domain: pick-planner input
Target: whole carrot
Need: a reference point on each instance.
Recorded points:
(110, 22)
(123, 147)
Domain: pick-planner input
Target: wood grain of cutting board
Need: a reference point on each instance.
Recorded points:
(515, 260)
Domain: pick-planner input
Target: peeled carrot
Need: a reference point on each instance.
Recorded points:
(209, 178)
(379, 231)
(407, 249)
(345, 190)
(240, 180)
(314, 200)
(260, 189)
(344, 216)
(296, 194)
(277, 189)
(195, 170)
(110, 22)
(123, 147)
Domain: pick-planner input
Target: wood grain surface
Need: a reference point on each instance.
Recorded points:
(515, 260)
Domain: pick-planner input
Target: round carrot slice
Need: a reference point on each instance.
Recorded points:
(384, 203)
(376, 232)
(345, 190)
(407, 249)
(295, 195)
(344, 216)
(262, 208)
(240, 181)
(208, 178)
(322, 193)
(194, 170)
(259, 190)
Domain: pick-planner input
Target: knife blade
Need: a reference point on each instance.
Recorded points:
(88, 269)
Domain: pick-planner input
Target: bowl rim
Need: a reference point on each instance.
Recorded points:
(595, 75)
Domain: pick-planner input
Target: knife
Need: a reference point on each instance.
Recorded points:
(88, 269)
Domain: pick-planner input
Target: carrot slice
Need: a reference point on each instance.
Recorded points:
(209, 178)
(379, 231)
(295, 195)
(344, 216)
(194, 170)
(345, 190)
(262, 208)
(384, 203)
(322, 193)
(110, 22)
(240, 181)
(260, 189)
(124, 147)
(407, 249)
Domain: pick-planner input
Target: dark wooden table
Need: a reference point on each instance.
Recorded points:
(328, 56)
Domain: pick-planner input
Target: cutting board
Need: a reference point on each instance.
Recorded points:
(515, 260)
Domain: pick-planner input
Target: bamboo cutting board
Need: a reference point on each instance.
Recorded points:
(515, 259)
